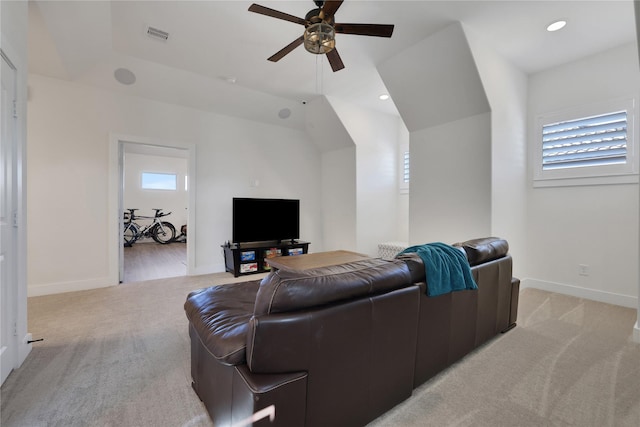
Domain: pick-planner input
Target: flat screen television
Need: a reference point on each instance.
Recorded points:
(257, 220)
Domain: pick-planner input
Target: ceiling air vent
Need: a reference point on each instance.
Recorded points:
(157, 34)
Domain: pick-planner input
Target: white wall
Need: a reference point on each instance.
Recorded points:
(375, 135)
(338, 172)
(450, 199)
(68, 152)
(594, 225)
(506, 89)
(435, 81)
(339, 197)
(445, 108)
(136, 197)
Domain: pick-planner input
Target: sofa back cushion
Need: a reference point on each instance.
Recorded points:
(284, 291)
(484, 249)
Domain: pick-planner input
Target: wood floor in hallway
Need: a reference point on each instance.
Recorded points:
(148, 261)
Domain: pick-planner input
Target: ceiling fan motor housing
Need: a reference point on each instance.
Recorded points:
(313, 17)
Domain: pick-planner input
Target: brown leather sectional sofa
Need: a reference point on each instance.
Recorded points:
(340, 345)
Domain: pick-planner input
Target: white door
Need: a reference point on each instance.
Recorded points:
(8, 227)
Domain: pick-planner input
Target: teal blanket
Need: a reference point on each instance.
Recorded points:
(446, 268)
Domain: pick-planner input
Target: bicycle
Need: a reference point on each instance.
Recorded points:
(162, 232)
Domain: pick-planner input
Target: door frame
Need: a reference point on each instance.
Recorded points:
(116, 193)
(17, 294)
(8, 282)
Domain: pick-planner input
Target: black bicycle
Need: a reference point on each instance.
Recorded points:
(162, 232)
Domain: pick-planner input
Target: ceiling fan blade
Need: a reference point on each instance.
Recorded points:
(378, 30)
(276, 14)
(287, 49)
(334, 60)
(330, 8)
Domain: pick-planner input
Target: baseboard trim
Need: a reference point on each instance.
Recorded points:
(576, 291)
(105, 282)
(207, 269)
(636, 331)
(62, 287)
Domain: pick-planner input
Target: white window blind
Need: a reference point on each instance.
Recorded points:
(405, 176)
(589, 141)
(591, 144)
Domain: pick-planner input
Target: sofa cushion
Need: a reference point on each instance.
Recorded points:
(484, 249)
(220, 316)
(283, 291)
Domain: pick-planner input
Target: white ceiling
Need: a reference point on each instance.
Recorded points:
(211, 42)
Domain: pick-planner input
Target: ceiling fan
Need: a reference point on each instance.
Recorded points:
(320, 30)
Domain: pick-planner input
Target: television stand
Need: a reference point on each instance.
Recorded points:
(252, 257)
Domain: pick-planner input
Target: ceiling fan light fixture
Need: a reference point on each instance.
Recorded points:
(319, 38)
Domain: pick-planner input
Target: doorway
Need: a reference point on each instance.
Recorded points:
(155, 178)
(146, 253)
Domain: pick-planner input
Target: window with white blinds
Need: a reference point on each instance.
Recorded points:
(403, 172)
(405, 168)
(587, 143)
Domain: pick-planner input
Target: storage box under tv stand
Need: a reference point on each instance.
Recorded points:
(249, 258)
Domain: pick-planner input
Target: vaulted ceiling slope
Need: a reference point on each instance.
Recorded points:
(215, 56)
(441, 91)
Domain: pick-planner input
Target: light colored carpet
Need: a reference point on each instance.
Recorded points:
(120, 357)
(569, 362)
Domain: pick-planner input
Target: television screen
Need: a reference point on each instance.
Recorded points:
(257, 220)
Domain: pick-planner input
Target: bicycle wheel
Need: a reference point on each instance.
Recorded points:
(131, 232)
(163, 232)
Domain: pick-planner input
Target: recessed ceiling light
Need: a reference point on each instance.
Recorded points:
(229, 79)
(383, 97)
(125, 76)
(557, 25)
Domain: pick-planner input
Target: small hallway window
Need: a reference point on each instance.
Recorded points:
(159, 181)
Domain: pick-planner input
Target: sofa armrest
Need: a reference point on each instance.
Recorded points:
(286, 335)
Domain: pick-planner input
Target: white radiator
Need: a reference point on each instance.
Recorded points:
(389, 250)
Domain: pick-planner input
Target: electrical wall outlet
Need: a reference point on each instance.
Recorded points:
(583, 269)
